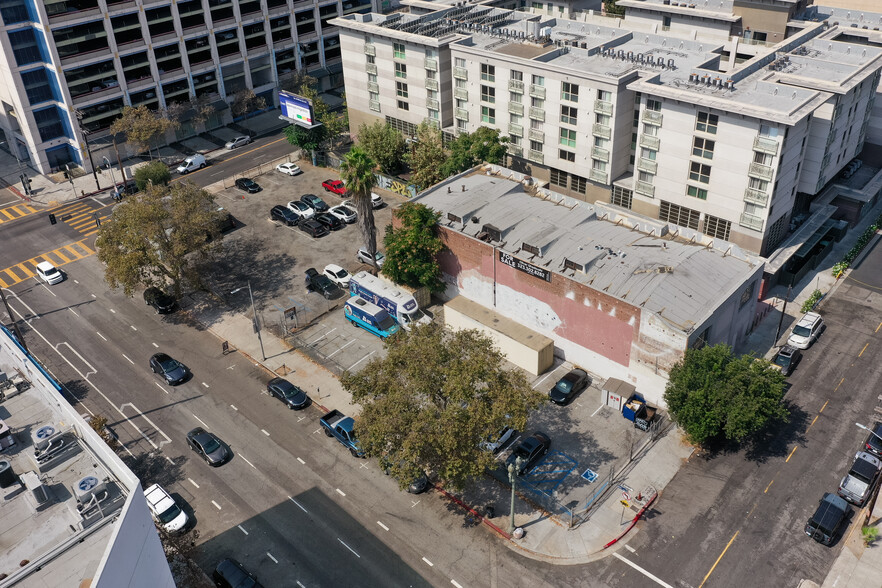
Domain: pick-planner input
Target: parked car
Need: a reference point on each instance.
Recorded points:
(314, 202)
(335, 186)
(495, 443)
(806, 331)
(860, 480)
(831, 513)
(363, 256)
(49, 273)
(238, 142)
(568, 386)
(289, 169)
(208, 446)
(284, 215)
(292, 396)
(248, 185)
(322, 284)
(314, 228)
(417, 485)
(192, 163)
(165, 510)
(159, 300)
(230, 574)
(530, 450)
(332, 222)
(301, 209)
(170, 369)
(376, 201)
(338, 275)
(786, 359)
(344, 213)
(873, 444)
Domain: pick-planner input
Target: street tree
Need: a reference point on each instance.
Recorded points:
(197, 110)
(159, 236)
(332, 125)
(427, 157)
(384, 144)
(412, 249)
(154, 172)
(432, 400)
(716, 396)
(245, 101)
(357, 171)
(142, 127)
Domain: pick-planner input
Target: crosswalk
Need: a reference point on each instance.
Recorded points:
(16, 211)
(82, 216)
(58, 257)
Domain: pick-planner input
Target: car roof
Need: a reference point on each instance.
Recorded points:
(333, 267)
(45, 266)
(161, 356)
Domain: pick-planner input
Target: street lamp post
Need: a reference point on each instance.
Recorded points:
(110, 167)
(79, 114)
(255, 322)
(872, 504)
(513, 469)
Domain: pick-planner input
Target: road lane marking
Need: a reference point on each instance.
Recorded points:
(361, 360)
(631, 549)
(382, 525)
(642, 571)
(233, 406)
(73, 311)
(216, 505)
(791, 453)
(152, 424)
(102, 336)
(825, 404)
(155, 345)
(246, 461)
(431, 565)
(134, 328)
(340, 492)
(729, 544)
(158, 385)
(814, 420)
(204, 384)
(192, 482)
(298, 504)
(170, 460)
(48, 290)
(244, 153)
(265, 432)
(113, 311)
(241, 528)
(864, 349)
(200, 420)
(301, 461)
(271, 557)
(299, 584)
(769, 486)
(455, 583)
(877, 328)
(349, 548)
(127, 357)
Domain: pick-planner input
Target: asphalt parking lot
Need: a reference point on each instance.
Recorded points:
(274, 258)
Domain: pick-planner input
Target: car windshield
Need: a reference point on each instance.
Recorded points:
(564, 385)
(341, 273)
(290, 391)
(210, 444)
(801, 331)
(170, 514)
(50, 271)
(379, 256)
(386, 323)
(168, 364)
(414, 317)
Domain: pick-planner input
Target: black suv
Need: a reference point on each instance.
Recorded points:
(322, 284)
(230, 574)
(787, 359)
(314, 202)
(873, 444)
(530, 451)
(159, 300)
(832, 512)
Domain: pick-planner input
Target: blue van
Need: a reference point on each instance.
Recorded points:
(370, 317)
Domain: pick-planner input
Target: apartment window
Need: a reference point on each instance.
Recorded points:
(650, 130)
(536, 124)
(401, 71)
(649, 154)
(462, 84)
(488, 72)
(516, 119)
(461, 125)
(488, 115)
(517, 75)
(459, 62)
(538, 80)
(374, 96)
(699, 172)
(569, 92)
(566, 155)
(707, 123)
(515, 97)
(401, 89)
(762, 158)
(598, 165)
(601, 119)
(647, 177)
(431, 74)
(536, 145)
(36, 84)
(578, 184)
(398, 51)
(568, 115)
(666, 23)
(699, 193)
(604, 95)
(601, 142)
(653, 105)
(678, 215)
(718, 228)
(559, 178)
(433, 114)
(754, 209)
(768, 131)
(372, 78)
(488, 94)
(622, 197)
(371, 59)
(758, 184)
(431, 94)
(568, 138)
(537, 102)
(702, 148)
(403, 105)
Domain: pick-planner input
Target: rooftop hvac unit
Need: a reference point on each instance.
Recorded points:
(43, 436)
(621, 54)
(7, 475)
(630, 56)
(584, 45)
(90, 487)
(545, 32)
(650, 60)
(670, 64)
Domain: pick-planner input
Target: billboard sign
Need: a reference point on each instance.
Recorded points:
(296, 108)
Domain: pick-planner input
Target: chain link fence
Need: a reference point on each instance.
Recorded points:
(263, 168)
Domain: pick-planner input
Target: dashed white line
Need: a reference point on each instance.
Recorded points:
(241, 528)
(642, 571)
(349, 548)
(76, 282)
(127, 357)
(216, 505)
(160, 387)
(73, 311)
(155, 345)
(233, 406)
(340, 492)
(271, 557)
(631, 549)
(93, 296)
(204, 384)
(134, 328)
(298, 504)
(100, 335)
(299, 584)
(431, 565)
(113, 311)
(246, 461)
(301, 461)
(265, 432)
(382, 525)
(200, 420)
(192, 482)
(170, 460)
(455, 583)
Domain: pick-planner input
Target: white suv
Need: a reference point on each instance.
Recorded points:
(165, 510)
(806, 331)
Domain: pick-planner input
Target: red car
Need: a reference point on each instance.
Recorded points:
(335, 186)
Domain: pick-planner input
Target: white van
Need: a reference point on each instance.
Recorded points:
(193, 162)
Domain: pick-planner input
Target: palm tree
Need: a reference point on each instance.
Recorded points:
(357, 170)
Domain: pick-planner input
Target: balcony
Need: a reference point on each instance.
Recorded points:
(652, 117)
(170, 74)
(461, 93)
(761, 171)
(597, 176)
(74, 15)
(602, 131)
(462, 114)
(515, 150)
(650, 142)
(751, 222)
(756, 196)
(369, 48)
(460, 73)
(516, 86)
(373, 87)
(432, 84)
(537, 135)
(765, 145)
(647, 165)
(374, 105)
(371, 68)
(432, 104)
(536, 156)
(537, 91)
(603, 107)
(600, 154)
(431, 64)
(139, 84)
(537, 113)
(516, 130)
(645, 188)
(516, 108)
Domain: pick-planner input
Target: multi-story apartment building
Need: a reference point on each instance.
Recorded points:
(69, 65)
(676, 129)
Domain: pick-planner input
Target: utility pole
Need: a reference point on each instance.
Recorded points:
(79, 114)
(783, 311)
(255, 323)
(69, 177)
(122, 170)
(14, 322)
(513, 470)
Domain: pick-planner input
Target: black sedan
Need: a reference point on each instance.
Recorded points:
(171, 370)
(314, 228)
(291, 395)
(568, 386)
(332, 222)
(284, 215)
(248, 185)
(314, 202)
(159, 300)
(530, 450)
(208, 446)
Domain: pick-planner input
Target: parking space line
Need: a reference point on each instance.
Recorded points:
(192, 482)
(301, 461)
(265, 432)
(340, 492)
(127, 357)
(644, 572)
(382, 525)
(298, 504)
(233, 406)
(200, 420)
(536, 385)
(246, 461)
(216, 505)
(596, 411)
(100, 335)
(349, 548)
(270, 555)
(160, 387)
(455, 583)
(323, 336)
(341, 349)
(431, 565)
(361, 360)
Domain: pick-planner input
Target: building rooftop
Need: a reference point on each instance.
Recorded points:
(681, 281)
(713, 9)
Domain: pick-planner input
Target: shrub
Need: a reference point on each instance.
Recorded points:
(812, 300)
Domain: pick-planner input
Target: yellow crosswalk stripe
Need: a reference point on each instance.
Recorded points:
(21, 271)
(72, 252)
(57, 253)
(3, 283)
(5, 212)
(25, 269)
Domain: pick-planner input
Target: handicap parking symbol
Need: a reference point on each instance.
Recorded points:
(589, 475)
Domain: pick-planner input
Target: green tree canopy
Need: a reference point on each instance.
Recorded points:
(155, 172)
(434, 397)
(384, 144)
(714, 395)
(427, 157)
(357, 171)
(412, 249)
(245, 101)
(141, 126)
(157, 236)
(470, 149)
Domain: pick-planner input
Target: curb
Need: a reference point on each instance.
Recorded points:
(473, 511)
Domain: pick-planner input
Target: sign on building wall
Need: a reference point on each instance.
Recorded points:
(527, 268)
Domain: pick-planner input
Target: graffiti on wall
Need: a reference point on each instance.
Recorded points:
(395, 185)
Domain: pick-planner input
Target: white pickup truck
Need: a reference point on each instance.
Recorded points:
(165, 510)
